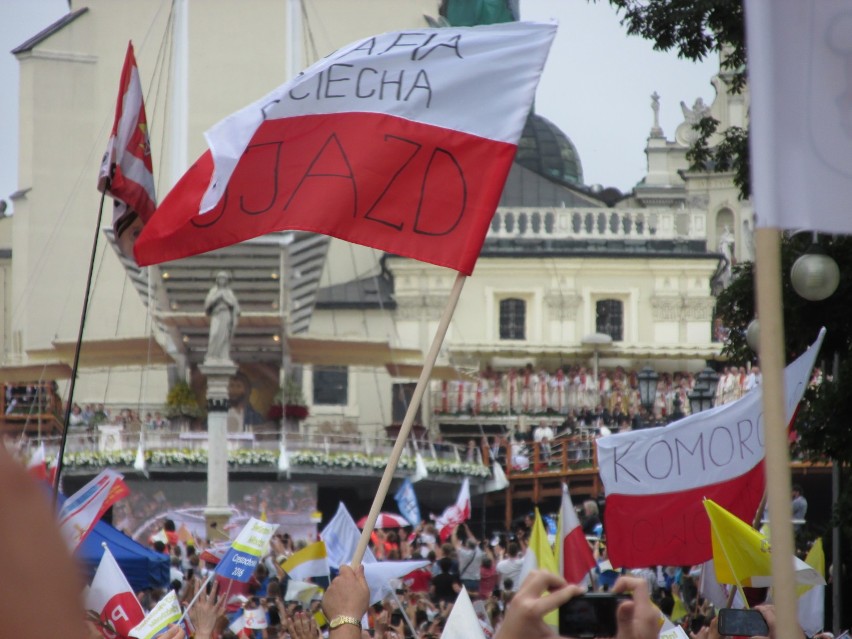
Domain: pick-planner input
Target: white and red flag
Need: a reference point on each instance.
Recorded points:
(456, 514)
(111, 598)
(573, 555)
(37, 464)
(657, 478)
(401, 142)
(82, 510)
(126, 170)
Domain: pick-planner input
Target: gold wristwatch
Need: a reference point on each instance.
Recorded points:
(339, 620)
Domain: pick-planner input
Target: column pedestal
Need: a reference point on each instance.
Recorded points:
(218, 511)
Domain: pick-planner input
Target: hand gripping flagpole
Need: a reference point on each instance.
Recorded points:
(405, 429)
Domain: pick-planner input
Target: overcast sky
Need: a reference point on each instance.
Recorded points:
(596, 86)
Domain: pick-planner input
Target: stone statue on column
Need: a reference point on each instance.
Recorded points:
(222, 307)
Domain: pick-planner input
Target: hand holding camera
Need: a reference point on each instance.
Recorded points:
(615, 614)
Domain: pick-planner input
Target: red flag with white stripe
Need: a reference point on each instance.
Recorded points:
(127, 173)
(401, 142)
(573, 555)
(112, 599)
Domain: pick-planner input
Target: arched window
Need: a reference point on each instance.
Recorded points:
(513, 317)
(609, 319)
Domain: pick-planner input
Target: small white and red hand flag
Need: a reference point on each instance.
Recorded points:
(37, 464)
(573, 555)
(82, 510)
(126, 170)
(401, 142)
(657, 478)
(456, 514)
(111, 598)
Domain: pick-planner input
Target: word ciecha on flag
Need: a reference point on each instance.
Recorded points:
(245, 553)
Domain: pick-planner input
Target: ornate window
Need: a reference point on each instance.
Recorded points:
(609, 318)
(513, 318)
(331, 385)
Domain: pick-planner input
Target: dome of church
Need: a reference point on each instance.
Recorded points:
(546, 150)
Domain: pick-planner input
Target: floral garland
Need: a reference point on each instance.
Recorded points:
(193, 458)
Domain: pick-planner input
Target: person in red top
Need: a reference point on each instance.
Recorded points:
(487, 577)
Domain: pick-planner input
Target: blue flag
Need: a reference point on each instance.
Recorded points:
(246, 550)
(407, 502)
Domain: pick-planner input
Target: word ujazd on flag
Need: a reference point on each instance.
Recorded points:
(401, 142)
(656, 478)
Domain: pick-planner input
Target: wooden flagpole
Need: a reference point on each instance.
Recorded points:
(77, 347)
(405, 429)
(778, 482)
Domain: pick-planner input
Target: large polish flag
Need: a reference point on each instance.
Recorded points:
(657, 478)
(573, 555)
(127, 172)
(401, 142)
(112, 599)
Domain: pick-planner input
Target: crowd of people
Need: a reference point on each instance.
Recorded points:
(506, 606)
(574, 391)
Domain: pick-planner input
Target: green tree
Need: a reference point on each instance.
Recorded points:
(696, 29)
(822, 419)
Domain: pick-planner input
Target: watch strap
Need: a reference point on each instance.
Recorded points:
(339, 620)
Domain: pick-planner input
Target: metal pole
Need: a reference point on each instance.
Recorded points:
(836, 577)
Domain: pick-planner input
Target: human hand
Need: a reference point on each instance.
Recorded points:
(768, 612)
(710, 631)
(637, 618)
(302, 625)
(33, 548)
(525, 614)
(347, 595)
(206, 611)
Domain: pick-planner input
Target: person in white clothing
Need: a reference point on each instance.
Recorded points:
(509, 568)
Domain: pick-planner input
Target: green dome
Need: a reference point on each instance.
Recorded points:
(546, 150)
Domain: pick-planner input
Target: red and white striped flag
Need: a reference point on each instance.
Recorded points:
(657, 478)
(126, 170)
(456, 514)
(573, 555)
(37, 464)
(82, 510)
(111, 598)
(401, 142)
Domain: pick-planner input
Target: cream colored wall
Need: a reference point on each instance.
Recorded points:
(67, 102)
(561, 295)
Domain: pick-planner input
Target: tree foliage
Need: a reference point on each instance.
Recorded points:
(696, 29)
(821, 421)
